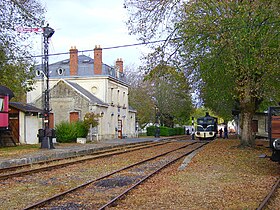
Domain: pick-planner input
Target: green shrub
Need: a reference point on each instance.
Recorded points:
(165, 131)
(81, 129)
(179, 131)
(151, 131)
(65, 132)
(69, 132)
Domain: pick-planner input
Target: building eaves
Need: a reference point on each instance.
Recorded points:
(130, 109)
(25, 107)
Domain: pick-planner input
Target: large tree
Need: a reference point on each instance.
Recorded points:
(171, 94)
(230, 49)
(157, 92)
(15, 60)
(140, 97)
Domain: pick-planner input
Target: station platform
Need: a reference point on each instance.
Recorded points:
(66, 150)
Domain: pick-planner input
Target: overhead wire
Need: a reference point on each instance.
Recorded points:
(105, 48)
(126, 45)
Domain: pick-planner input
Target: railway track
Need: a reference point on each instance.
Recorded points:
(104, 191)
(269, 196)
(28, 169)
(98, 151)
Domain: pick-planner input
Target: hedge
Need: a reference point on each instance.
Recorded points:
(69, 132)
(166, 131)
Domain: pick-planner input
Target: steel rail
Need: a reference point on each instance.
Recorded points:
(93, 156)
(97, 151)
(269, 195)
(114, 200)
(59, 195)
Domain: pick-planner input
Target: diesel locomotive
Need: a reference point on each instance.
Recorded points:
(207, 127)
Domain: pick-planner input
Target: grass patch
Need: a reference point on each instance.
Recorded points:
(18, 150)
(20, 147)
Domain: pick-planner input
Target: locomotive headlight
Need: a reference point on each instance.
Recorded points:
(276, 144)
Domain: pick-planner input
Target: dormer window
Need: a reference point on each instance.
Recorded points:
(85, 61)
(60, 71)
(38, 73)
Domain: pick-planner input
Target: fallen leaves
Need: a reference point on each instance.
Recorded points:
(221, 176)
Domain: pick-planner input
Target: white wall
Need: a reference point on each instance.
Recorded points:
(29, 126)
(33, 123)
(95, 85)
(33, 95)
(22, 122)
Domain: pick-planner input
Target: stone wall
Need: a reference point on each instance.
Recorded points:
(64, 100)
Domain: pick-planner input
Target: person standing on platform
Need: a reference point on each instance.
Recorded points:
(225, 132)
(221, 133)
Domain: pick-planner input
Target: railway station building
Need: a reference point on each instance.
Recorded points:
(82, 84)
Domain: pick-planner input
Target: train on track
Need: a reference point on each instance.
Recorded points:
(5, 132)
(274, 132)
(5, 95)
(206, 128)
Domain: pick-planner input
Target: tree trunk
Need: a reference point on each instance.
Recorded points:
(247, 137)
(247, 111)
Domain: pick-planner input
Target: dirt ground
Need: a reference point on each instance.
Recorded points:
(222, 176)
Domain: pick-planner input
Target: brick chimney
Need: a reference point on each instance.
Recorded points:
(73, 61)
(119, 65)
(97, 60)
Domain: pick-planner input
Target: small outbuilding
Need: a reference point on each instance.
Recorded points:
(24, 121)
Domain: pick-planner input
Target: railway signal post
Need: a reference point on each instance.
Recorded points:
(46, 134)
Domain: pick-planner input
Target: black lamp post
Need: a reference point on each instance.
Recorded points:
(157, 128)
(46, 134)
(137, 127)
(193, 128)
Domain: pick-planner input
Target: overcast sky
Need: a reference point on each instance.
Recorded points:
(84, 24)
